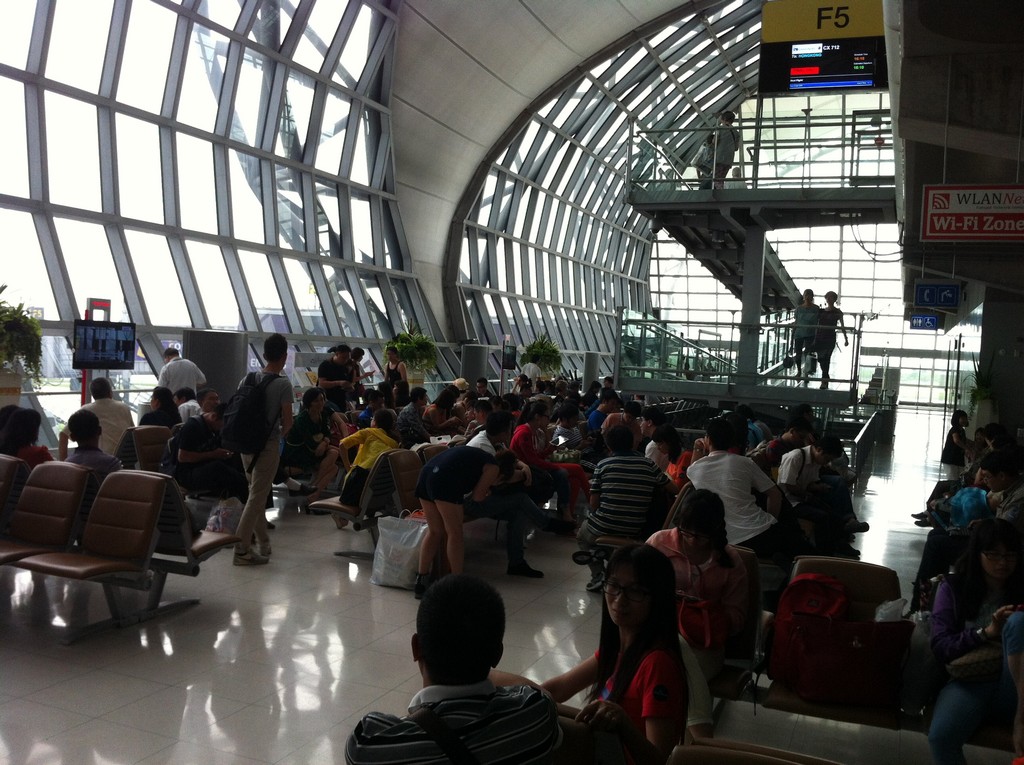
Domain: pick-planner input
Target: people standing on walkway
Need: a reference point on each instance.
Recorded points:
(804, 332)
(829, 317)
(727, 140)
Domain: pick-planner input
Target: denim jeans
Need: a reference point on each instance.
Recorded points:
(962, 707)
(516, 508)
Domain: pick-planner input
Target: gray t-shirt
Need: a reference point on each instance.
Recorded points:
(279, 393)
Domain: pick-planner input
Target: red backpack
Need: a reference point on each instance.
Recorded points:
(806, 594)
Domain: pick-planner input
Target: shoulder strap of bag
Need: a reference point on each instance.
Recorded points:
(445, 737)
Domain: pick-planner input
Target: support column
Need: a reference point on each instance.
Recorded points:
(750, 317)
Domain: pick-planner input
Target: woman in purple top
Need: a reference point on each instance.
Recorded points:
(975, 606)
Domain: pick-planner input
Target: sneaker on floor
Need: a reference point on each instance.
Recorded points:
(853, 526)
(595, 584)
(522, 568)
(250, 558)
(924, 514)
(264, 549)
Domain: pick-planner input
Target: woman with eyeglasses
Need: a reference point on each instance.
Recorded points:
(636, 680)
(974, 607)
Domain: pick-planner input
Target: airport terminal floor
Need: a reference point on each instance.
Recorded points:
(279, 662)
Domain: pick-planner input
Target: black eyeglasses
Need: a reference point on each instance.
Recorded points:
(998, 557)
(636, 594)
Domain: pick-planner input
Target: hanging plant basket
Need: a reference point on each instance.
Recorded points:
(21, 338)
(418, 351)
(549, 355)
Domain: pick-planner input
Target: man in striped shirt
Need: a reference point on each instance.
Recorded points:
(460, 626)
(621, 493)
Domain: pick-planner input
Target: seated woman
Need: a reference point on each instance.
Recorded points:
(707, 567)
(19, 435)
(372, 442)
(163, 409)
(671, 445)
(636, 679)
(530, 443)
(307, 447)
(439, 419)
(974, 606)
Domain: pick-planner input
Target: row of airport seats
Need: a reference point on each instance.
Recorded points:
(127, 533)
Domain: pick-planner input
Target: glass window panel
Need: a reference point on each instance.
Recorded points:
(197, 187)
(353, 56)
(18, 19)
(291, 136)
(263, 291)
(246, 196)
(158, 279)
(214, 285)
(332, 133)
(223, 12)
(73, 161)
(291, 226)
(320, 30)
(272, 22)
(343, 303)
(306, 297)
(367, 140)
(378, 309)
(90, 266)
(329, 219)
(13, 142)
(147, 52)
(29, 282)
(78, 42)
(140, 191)
(362, 229)
(251, 97)
(204, 74)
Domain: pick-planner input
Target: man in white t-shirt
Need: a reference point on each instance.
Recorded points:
(828, 505)
(115, 418)
(531, 369)
(768, 532)
(178, 373)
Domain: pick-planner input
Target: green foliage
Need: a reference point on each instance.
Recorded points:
(417, 350)
(21, 337)
(982, 384)
(550, 355)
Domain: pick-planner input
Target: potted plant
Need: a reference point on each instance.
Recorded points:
(21, 340)
(417, 350)
(981, 392)
(549, 355)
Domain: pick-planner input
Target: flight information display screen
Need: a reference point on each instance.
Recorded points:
(850, 63)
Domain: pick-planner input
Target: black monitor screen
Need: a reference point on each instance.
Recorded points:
(104, 345)
(850, 63)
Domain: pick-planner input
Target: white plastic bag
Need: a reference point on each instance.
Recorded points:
(398, 552)
(225, 515)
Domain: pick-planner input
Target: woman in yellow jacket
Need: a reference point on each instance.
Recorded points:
(372, 442)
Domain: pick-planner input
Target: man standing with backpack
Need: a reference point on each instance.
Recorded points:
(257, 439)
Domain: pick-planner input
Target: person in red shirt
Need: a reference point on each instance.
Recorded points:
(530, 444)
(19, 436)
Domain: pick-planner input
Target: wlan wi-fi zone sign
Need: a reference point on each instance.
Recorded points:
(973, 214)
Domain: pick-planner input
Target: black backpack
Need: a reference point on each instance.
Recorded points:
(246, 429)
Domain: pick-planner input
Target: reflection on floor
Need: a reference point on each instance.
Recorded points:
(278, 662)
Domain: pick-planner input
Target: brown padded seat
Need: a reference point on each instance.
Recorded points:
(44, 518)
(13, 475)
(868, 585)
(405, 471)
(732, 679)
(120, 533)
(150, 442)
(718, 750)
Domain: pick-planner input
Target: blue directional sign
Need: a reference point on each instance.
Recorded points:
(936, 295)
(924, 321)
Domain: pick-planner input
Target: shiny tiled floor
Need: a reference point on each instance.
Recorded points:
(278, 662)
